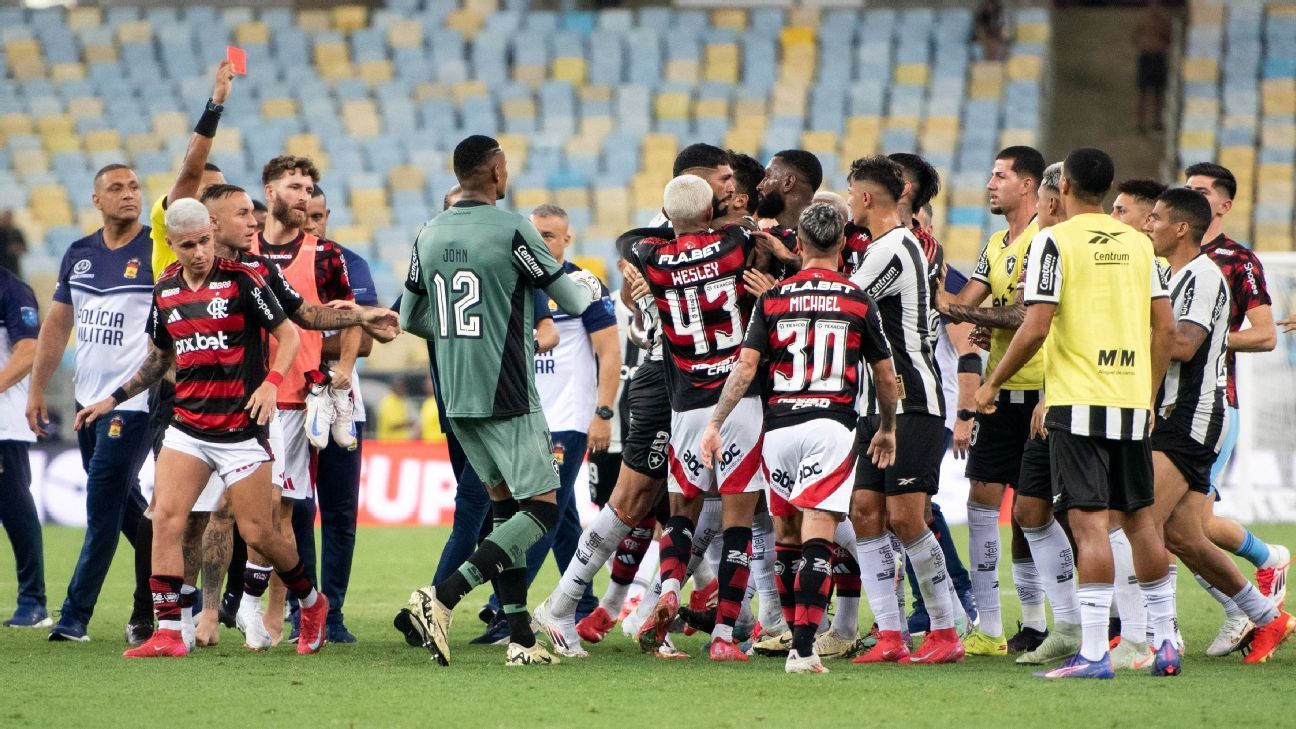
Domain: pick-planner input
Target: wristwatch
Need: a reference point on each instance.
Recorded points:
(604, 412)
(967, 415)
(214, 107)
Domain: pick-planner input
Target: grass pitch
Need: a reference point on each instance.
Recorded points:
(381, 682)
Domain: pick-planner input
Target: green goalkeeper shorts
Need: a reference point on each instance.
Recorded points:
(515, 451)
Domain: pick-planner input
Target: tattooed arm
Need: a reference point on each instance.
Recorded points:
(995, 317)
(154, 368)
(735, 390)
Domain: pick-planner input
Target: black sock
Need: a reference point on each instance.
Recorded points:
(812, 583)
(786, 559)
(512, 588)
(735, 567)
(142, 606)
(501, 511)
(505, 547)
(676, 548)
(238, 558)
(255, 579)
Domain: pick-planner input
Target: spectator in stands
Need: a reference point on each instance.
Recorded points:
(394, 421)
(317, 213)
(13, 246)
(19, 327)
(430, 415)
(1152, 36)
(990, 31)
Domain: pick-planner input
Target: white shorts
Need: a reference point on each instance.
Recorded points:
(738, 468)
(230, 462)
(812, 466)
(295, 459)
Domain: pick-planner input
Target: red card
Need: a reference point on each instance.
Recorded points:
(238, 57)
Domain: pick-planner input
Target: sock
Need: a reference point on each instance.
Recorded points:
(256, 579)
(1055, 568)
(847, 581)
(166, 600)
(787, 558)
(512, 588)
(960, 613)
(878, 570)
(1160, 609)
(142, 602)
(1259, 608)
(596, 545)
(812, 583)
(676, 550)
(897, 549)
(650, 597)
(929, 566)
(1276, 558)
(1095, 601)
(1231, 608)
(625, 565)
(735, 566)
(983, 545)
(1030, 593)
(763, 571)
(700, 566)
(647, 571)
(506, 545)
(1129, 598)
(1172, 572)
(299, 585)
(188, 598)
(1254, 550)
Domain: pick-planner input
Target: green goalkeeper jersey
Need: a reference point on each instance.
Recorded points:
(470, 288)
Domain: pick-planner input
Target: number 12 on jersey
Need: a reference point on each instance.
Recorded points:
(467, 287)
(686, 308)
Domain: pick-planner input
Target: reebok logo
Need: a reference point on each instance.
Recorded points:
(201, 342)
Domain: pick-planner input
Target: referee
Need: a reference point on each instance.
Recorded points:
(1093, 293)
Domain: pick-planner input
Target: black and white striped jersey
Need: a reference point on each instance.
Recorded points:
(1192, 395)
(894, 273)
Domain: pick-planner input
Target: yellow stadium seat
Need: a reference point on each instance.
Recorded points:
(797, 35)
(467, 89)
(84, 17)
(431, 90)
(524, 108)
(1273, 237)
(1278, 97)
(405, 34)
(56, 143)
(1200, 69)
(743, 139)
(135, 31)
(820, 142)
(1017, 137)
(912, 74)
(746, 110)
(373, 216)
(789, 101)
(572, 198)
(593, 129)
(314, 21)
(103, 140)
(331, 52)
(807, 15)
(1025, 68)
(303, 145)
(986, 89)
(1273, 174)
(515, 148)
(865, 124)
(711, 109)
(375, 72)
(147, 142)
(229, 141)
(86, 107)
(1211, 14)
(350, 18)
(90, 219)
(465, 20)
(1032, 33)
(55, 124)
(170, 124)
(967, 197)
(595, 92)
(732, 18)
(937, 142)
(722, 62)
(908, 123)
(987, 71)
(278, 108)
(350, 234)
(682, 71)
(612, 207)
(158, 184)
(62, 72)
(252, 32)
(1278, 136)
(673, 105)
(1197, 139)
(962, 242)
(531, 198)
(647, 190)
(100, 53)
(531, 74)
(569, 69)
(1202, 107)
(940, 125)
(1281, 9)
(484, 8)
(595, 265)
(406, 177)
(22, 49)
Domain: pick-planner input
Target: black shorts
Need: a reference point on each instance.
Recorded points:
(645, 446)
(1036, 476)
(920, 446)
(998, 438)
(1193, 459)
(161, 410)
(1100, 473)
(1153, 71)
(603, 470)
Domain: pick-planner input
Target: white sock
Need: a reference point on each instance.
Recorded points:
(929, 566)
(1259, 608)
(1055, 565)
(762, 570)
(983, 550)
(597, 545)
(614, 598)
(1129, 603)
(186, 613)
(650, 597)
(250, 602)
(897, 548)
(647, 571)
(1095, 602)
(708, 526)
(846, 615)
(1231, 608)
(1278, 556)
(1030, 593)
(878, 573)
(960, 613)
(1161, 609)
(309, 600)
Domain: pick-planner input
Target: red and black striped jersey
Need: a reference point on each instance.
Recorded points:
(697, 284)
(1247, 289)
(857, 241)
(217, 332)
(788, 237)
(814, 331)
(289, 300)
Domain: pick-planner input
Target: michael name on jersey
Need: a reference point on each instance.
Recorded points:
(810, 302)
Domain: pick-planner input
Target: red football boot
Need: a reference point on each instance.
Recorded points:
(596, 625)
(163, 644)
(941, 646)
(657, 626)
(890, 648)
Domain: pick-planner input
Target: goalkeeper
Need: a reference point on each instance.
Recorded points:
(469, 292)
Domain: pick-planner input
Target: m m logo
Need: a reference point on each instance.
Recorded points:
(1107, 357)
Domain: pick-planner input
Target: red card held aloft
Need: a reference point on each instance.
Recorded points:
(238, 57)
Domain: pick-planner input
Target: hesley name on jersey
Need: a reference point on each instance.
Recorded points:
(201, 343)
